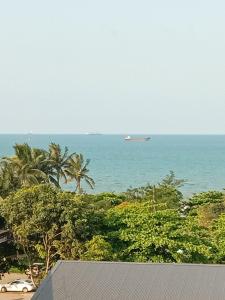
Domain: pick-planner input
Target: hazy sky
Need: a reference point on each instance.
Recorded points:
(118, 66)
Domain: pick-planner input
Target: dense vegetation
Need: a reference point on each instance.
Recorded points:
(153, 223)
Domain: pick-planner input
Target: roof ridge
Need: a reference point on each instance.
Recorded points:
(141, 263)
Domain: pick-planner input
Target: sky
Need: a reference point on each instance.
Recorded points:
(120, 66)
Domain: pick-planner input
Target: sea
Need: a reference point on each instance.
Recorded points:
(116, 164)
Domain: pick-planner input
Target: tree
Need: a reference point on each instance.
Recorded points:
(218, 238)
(48, 224)
(58, 161)
(31, 214)
(209, 212)
(28, 165)
(166, 192)
(97, 249)
(77, 170)
(206, 206)
(139, 233)
(8, 181)
(206, 197)
(172, 181)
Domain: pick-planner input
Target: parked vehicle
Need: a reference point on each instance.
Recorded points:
(19, 285)
(35, 270)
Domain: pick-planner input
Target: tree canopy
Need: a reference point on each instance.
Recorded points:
(151, 223)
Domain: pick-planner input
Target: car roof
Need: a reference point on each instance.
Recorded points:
(21, 280)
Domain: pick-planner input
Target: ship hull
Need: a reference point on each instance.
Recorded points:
(137, 139)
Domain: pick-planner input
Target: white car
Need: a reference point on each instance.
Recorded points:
(19, 285)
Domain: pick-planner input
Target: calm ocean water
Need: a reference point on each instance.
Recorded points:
(116, 165)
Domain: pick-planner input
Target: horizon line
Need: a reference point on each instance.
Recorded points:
(102, 133)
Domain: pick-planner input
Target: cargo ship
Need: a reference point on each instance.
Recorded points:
(136, 139)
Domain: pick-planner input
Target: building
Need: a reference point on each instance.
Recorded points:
(5, 236)
(70, 280)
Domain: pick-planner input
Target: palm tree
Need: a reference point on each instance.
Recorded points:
(77, 170)
(29, 165)
(58, 161)
(8, 180)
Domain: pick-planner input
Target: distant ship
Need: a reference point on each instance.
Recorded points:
(136, 139)
(93, 133)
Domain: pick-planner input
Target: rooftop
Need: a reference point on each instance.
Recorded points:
(117, 280)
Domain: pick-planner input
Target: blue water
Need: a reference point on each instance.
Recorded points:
(117, 165)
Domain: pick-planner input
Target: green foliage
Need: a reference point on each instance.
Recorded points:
(166, 192)
(218, 238)
(97, 249)
(171, 181)
(77, 170)
(107, 200)
(32, 166)
(57, 162)
(28, 165)
(209, 212)
(149, 223)
(8, 181)
(142, 234)
(47, 223)
(17, 269)
(206, 197)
